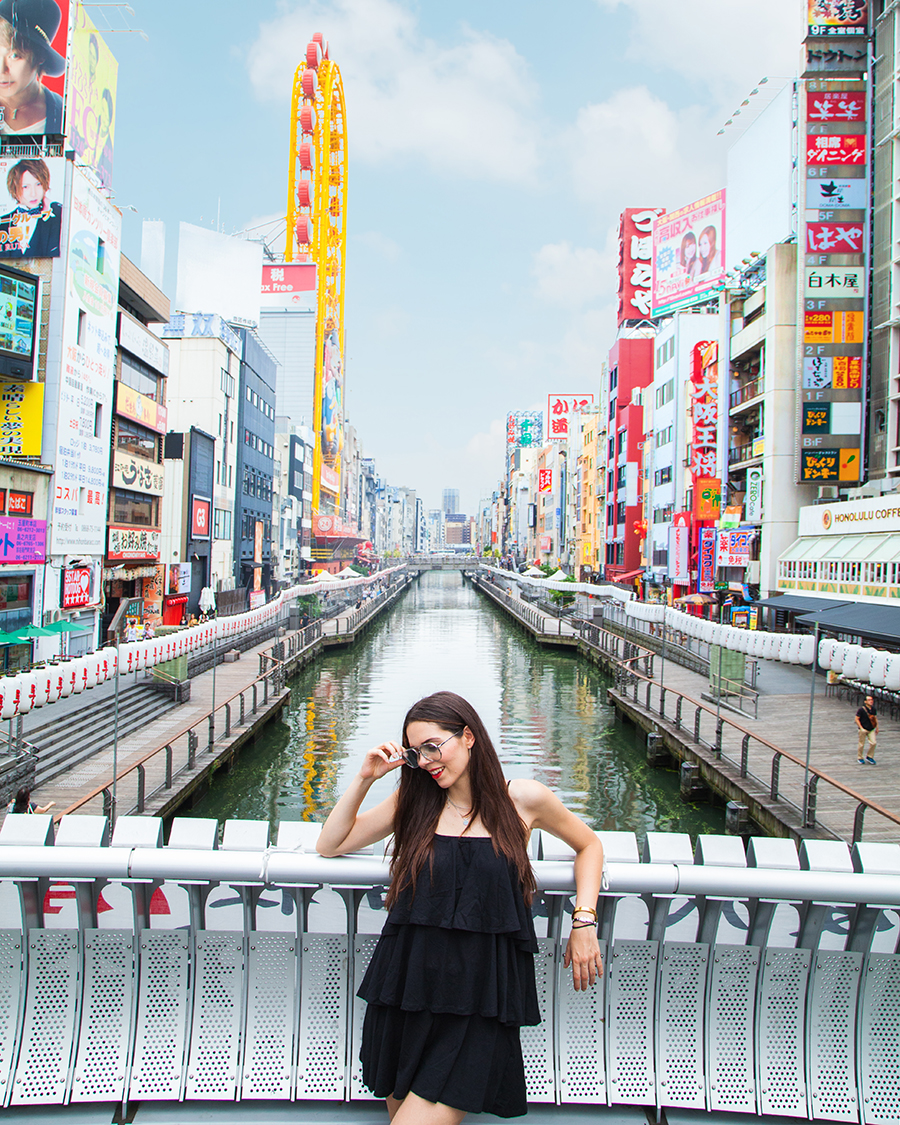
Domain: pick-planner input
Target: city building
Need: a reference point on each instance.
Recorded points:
(450, 501)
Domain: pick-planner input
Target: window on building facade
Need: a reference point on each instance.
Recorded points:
(134, 509)
(135, 440)
(140, 377)
(221, 523)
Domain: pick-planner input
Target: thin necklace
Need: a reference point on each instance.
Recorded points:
(462, 815)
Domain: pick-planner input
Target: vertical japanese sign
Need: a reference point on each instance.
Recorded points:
(635, 257)
(86, 378)
(706, 561)
(545, 480)
(562, 411)
(832, 298)
(21, 416)
(704, 411)
(524, 429)
(679, 554)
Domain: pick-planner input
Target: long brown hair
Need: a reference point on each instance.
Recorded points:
(420, 801)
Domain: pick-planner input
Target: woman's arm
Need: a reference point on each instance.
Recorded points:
(540, 808)
(346, 830)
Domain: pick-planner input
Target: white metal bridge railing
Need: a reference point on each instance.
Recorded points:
(761, 982)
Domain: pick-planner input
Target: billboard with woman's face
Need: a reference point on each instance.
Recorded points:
(688, 254)
(34, 36)
(91, 98)
(31, 193)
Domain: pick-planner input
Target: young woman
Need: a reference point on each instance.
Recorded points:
(707, 248)
(690, 263)
(22, 803)
(451, 980)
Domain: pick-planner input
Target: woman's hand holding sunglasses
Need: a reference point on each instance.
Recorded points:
(381, 760)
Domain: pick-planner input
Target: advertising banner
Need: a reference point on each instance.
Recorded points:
(706, 564)
(704, 388)
(524, 428)
(734, 548)
(753, 497)
(91, 98)
(679, 554)
(135, 338)
(179, 578)
(331, 432)
(86, 379)
(132, 543)
(688, 254)
(201, 507)
(154, 586)
(836, 17)
(76, 587)
(21, 418)
(137, 474)
(545, 480)
(707, 498)
(635, 255)
(139, 408)
(40, 42)
(832, 298)
(31, 194)
(333, 526)
(561, 412)
(23, 541)
(289, 285)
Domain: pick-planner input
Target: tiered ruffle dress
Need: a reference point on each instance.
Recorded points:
(450, 983)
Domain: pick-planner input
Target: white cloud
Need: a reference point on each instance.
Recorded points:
(465, 108)
(573, 276)
(633, 150)
(716, 43)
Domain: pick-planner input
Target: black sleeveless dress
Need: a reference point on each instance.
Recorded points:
(450, 983)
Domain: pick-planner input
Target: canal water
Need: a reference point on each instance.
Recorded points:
(545, 709)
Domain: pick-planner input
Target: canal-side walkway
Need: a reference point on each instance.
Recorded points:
(777, 735)
(162, 766)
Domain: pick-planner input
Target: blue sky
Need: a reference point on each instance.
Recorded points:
(492, 146)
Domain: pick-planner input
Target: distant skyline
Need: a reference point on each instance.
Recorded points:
(492, 147)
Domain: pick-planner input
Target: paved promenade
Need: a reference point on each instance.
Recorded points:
(73, 786)
(783, 719)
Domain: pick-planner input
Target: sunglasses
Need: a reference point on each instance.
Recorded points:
(430, 751)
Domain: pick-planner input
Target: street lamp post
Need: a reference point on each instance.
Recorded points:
(812, 702)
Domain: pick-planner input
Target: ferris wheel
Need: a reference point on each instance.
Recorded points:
(316, 216)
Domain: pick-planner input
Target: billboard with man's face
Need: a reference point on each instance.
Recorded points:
(31, 195)
(34, 37)
(688, 254)
(91, 98)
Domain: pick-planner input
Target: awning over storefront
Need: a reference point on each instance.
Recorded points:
(838, 548)
(797, 603)
(861, 619)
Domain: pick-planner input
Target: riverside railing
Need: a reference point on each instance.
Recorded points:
(758, 982)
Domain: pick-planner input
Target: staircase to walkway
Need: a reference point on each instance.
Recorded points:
(76, 736)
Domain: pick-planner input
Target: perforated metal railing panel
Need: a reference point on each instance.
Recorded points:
(831, 1035)
(679, 1023)
(272, 998)
(631, 993)
(730, 1024)
(163, 1009)
(107, 1011)
(580, 1022)
(217, 1015)
(323, 1017)
(363, 946)
(51, 1007)
(879, 1063)
(12, 997)
(780, 1031)
(537, 1042)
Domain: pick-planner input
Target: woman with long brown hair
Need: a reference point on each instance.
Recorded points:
(451, 980)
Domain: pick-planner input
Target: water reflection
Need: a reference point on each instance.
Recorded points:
(545, 708)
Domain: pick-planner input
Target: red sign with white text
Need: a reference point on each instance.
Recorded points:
(835, 238)
(545, 480)
(835, 105)
(704, 409)
(200, 511)
(635, 256)
(846, 148)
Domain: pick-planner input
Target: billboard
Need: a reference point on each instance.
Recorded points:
(23, 541)
(524, 428)
(562, 411)
(688, 254)
(31, 194)
(832, 294)
(76, 587)
(635, 253)
(32, 97)
(85, 381)
(21, 418)
(836, 17)
(91, 98)
(331, 433)
(200, 521)
(289, 285)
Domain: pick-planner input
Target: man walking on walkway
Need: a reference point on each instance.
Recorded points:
(867, 721)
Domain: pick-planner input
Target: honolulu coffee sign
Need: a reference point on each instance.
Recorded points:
(880, 515)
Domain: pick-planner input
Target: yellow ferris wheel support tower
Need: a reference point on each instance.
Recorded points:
(316, 231)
